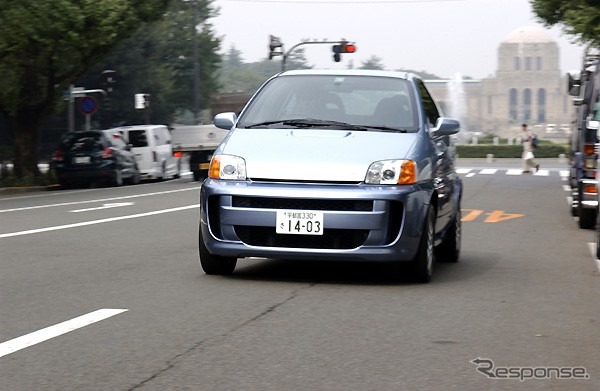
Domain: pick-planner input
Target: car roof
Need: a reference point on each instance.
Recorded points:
(349, 72)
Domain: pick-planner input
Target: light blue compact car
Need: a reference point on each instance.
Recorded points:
(334, 165)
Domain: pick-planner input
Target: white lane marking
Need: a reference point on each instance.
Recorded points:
(47, 333)
(105, 206)
(488, 171)
(542, 173)
(92, 222)
(567, 188)
(462, 170)
(101, 199)
(469, 175)
(592, 247)
(514, 171)
(564, 174)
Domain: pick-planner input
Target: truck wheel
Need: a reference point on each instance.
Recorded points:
(587, 218)
(422, 265)
(214, 264)
(449, 249)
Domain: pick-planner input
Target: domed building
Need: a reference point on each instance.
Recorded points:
(527, 88)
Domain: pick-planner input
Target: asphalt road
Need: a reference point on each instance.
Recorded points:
(101, 289)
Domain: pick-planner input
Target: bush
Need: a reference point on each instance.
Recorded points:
(545, 150)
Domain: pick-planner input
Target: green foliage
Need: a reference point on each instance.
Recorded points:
(159, 60)
(546, 150)
(44, 46)
(579, 18)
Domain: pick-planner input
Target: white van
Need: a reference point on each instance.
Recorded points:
(153, 151)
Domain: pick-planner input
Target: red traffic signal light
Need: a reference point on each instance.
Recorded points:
(349, 48)
(344, 48)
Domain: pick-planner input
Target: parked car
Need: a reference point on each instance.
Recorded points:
(334, 165)
(92, 156)
(151, 145)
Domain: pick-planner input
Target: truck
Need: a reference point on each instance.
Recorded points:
(583, 86)
(197, 143)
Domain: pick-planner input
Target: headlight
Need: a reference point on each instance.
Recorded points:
(392, 172)
(227, 167)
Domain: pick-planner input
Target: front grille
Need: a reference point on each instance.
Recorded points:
(337, 239)
(302, 203)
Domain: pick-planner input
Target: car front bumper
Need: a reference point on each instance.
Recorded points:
(361, 222)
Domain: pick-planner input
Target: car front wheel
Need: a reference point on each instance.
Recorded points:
(422, 265)
(214, 264)
(449, 249)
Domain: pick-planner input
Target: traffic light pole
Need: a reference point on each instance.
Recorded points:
(275, 43)
(286, 55)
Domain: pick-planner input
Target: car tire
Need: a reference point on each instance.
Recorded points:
(587, 218)
(214, 264)
(422, 265)
(117, 179)
(64, 184)
(135, 178)
(449, 249)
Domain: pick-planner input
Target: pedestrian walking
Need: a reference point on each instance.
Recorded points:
(528, 156)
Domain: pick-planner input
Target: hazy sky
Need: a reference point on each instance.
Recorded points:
(443, 37)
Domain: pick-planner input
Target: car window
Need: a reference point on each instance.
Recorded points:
(356, 100)
(431, 111)
(82, 140)
(137, 138)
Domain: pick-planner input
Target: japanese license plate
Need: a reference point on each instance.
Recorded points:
(299, 222)
(81, 160)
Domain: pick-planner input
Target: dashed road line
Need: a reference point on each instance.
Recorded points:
(56, 330)
(92, 222)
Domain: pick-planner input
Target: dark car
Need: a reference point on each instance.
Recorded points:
(94, 156)
(334, 165)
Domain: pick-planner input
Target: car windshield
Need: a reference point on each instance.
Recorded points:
(333, 102)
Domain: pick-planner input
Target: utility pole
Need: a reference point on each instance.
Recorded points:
(196, 63)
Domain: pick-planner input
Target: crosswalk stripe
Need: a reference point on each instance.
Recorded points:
(470, 172)
(488, 171)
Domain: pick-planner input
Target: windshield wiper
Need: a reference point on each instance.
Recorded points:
(309, 122)
(312, 122)
(387, 129)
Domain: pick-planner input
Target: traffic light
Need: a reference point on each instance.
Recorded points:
(275, 43)
(342, 47)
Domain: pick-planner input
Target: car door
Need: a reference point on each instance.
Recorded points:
(444, 174)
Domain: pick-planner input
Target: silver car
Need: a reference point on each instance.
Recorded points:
(334, 165)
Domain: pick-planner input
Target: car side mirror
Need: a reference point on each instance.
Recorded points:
(445, 127)
(225, 120)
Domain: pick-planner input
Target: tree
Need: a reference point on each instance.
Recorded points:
(579, 18)
(372, 62)
(44, 47)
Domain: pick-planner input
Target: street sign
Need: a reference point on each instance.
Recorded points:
(87, 105)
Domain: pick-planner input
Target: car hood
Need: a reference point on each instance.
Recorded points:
(315, 154)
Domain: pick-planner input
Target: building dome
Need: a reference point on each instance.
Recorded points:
(528, 35)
